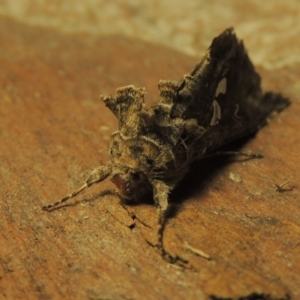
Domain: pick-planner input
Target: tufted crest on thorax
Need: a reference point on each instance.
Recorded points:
(127, 106)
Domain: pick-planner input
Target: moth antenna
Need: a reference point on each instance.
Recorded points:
(96, 176)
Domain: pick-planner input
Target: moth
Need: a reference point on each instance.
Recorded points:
(152, 150)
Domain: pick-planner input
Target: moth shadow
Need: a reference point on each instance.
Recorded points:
(202, 171)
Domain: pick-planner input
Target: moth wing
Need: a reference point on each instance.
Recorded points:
(222, 93)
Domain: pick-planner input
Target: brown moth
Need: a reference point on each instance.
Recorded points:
(218, 101)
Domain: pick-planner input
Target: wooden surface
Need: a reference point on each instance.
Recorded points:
(54, 130)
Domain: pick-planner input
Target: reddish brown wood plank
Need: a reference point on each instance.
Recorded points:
(54, 130)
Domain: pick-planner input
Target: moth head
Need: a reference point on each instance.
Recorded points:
(131, 184)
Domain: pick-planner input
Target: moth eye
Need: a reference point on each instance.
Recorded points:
(136, 177)
(149, 161)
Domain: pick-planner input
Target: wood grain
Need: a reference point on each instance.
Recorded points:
(54, 130)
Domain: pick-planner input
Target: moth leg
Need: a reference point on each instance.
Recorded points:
(161, 196)
(236, 153)
(97, 175)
